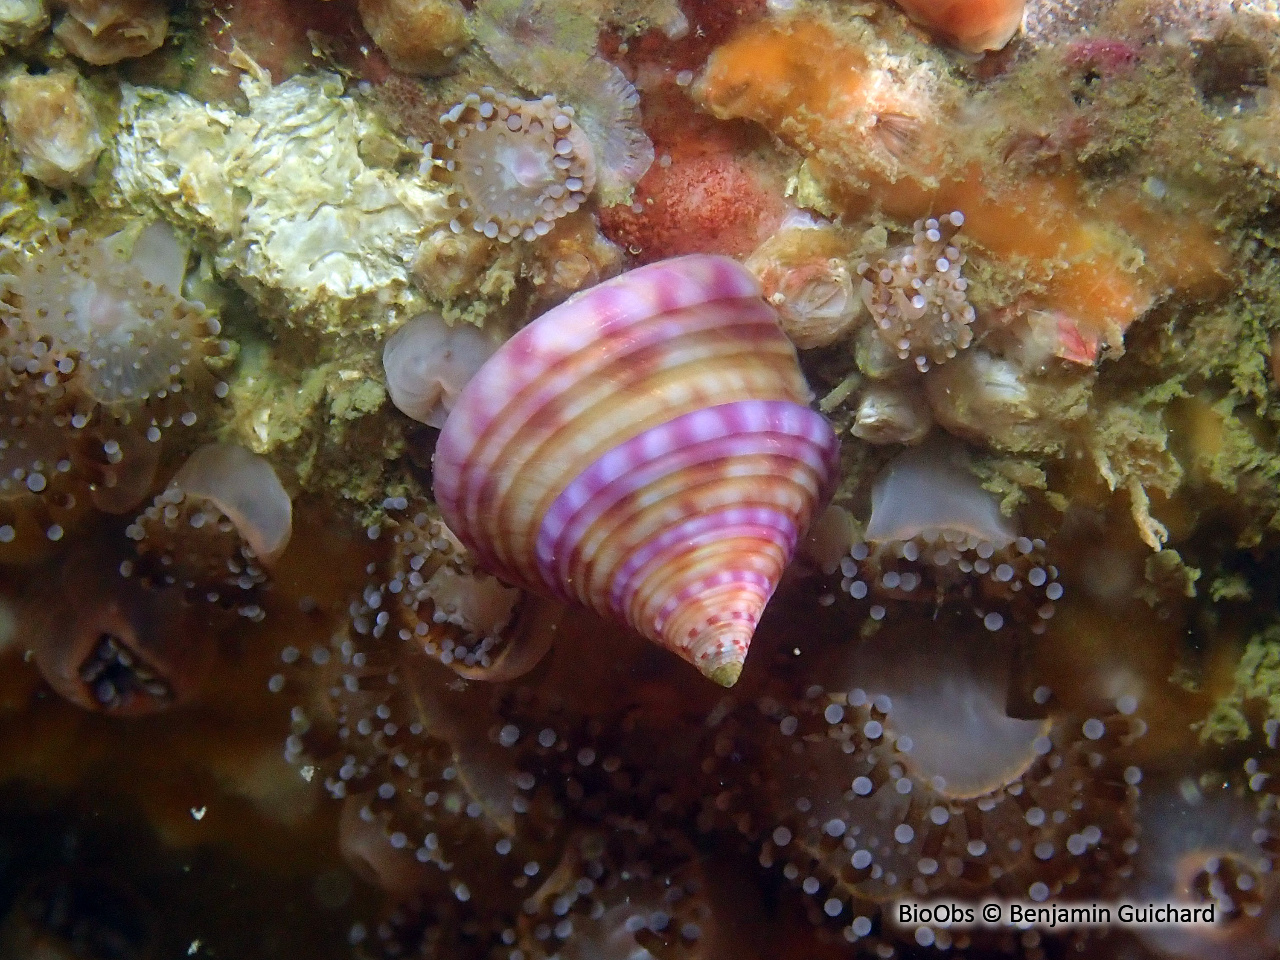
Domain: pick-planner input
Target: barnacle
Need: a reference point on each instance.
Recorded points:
(916, 294)
(518, 165)
(891, 413)
(22, 21)
(1078, 253)
(52, 126)
(997, 400)
(885, 111)
(417, 36)
(804, 271)
(573, 256)
(936, 537)
(108, 31)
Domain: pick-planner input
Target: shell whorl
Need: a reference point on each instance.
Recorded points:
(645, 449)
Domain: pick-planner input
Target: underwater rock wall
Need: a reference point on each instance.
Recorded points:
(393, 393)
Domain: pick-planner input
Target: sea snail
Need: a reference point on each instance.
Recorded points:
(645, 449)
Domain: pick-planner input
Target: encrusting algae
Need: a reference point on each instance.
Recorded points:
(414, 415)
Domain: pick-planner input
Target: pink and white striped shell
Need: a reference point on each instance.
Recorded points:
(645, 449)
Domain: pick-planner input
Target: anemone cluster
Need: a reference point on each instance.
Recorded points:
(689, 477)
(100, 328)
(130, 624)
(432, 801)
(552, 48)
(916, 784)
(465, 791)
(629, 889)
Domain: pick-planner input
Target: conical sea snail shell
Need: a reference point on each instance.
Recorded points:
(645, 449)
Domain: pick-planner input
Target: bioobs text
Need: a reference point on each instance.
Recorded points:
(912, 914)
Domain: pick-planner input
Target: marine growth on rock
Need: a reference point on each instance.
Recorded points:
(638, 479)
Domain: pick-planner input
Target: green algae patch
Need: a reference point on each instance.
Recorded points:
(272, 406)
(807, 189)
(1167, 574)
(1255, 695)
(355, 397)
(1010, 478)
(1230, 588)
(19, 216)
(1232, 455)
(1130, 448)
(1228, 342)
(324, 419)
